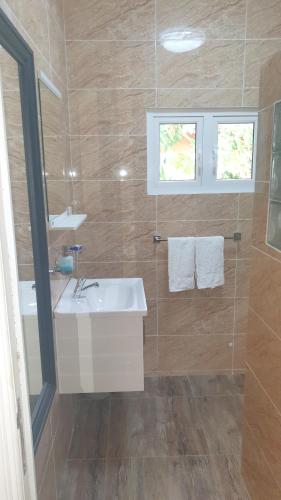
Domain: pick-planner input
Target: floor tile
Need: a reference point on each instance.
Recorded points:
(179, 439)
(124, 480)
(154, 427)
(83, 480)
(91, 429)
(160, 387)
(179, 478)
(216, 385)
(221, 417)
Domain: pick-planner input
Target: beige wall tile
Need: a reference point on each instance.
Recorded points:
(260, 482)
(260, 216)
(243, 278)
(264, 144)
(17, 165)
(251, 97)
(264, 351)
(245, 227)
(184, 98)
(150, 321)
(212, 18)
(26, 272)
(239, 352)
(59, 196)
(9, 70)
(144, 270)
(270, 81)
(257, 53)
(52, 113)
(12, 107)
(126, 20)
(24, 244)
(265, 423)
(197, 207)
(263, 19)
(109, 112)
(246, 202)
(241, 315)
(265, 290)
(214, 64)
(195, 353)
(20, 202)
(114, 242)
(57, 157)
(57, 46)
(111, 64)
(150, 353)
(113, 201)
(195, 316)
(32, 15)
(109, 158)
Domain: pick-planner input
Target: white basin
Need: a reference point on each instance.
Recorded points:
(28, 302)
(118, 296)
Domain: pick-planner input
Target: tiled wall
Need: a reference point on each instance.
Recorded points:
(262, 429)
(41, 24)
(117, 69)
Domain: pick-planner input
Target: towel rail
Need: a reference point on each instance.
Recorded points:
(236, 237)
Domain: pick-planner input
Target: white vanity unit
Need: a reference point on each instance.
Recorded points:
(99, 336)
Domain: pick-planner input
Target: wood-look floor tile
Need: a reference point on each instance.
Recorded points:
(124, 480)
(175, 478)
(167, 478)
(221, 417)
(83, 480)
(152, 427)
(91, 429)
(214, 385)
(156, 386)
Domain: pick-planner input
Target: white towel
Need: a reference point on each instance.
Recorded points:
(209, 258)
(181, 265)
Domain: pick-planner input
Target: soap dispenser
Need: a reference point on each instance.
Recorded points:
(65, 263)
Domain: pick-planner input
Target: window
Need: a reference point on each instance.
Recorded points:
(201, 152)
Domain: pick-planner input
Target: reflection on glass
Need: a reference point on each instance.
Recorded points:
(274, 213)
(235, 151)
(274, 225)
(55, 151)
(177, 151)
(10, 91)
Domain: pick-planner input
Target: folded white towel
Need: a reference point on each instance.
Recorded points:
(209, 253)
(181, 265)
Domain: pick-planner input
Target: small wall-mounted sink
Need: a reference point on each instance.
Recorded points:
(99, 336)
(112, 296)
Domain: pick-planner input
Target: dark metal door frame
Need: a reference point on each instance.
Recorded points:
(16, 46)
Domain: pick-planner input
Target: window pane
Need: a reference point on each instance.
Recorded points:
(235, 150)
(177, 151)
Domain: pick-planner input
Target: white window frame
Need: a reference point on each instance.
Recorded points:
(206, 152)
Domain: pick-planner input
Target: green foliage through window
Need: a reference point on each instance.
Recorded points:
(177, 151)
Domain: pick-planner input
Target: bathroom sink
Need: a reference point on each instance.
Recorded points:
(100, 335)
(118, 296)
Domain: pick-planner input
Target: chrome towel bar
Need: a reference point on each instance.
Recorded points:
(236, 237)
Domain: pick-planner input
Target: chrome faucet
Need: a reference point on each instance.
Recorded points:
(80, 287)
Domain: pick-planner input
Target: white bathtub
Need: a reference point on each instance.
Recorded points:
(99, 337)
